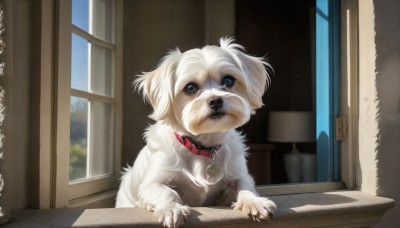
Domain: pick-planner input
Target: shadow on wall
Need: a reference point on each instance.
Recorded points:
(387, 26)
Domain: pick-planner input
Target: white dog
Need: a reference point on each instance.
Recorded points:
(194, 156)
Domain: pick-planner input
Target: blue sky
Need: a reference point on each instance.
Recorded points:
(79, 55)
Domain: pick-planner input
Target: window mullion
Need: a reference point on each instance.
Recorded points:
(92, 38)
(90, 16)
(92, 96)
(89, 76)
(89, 142)
(89, 159)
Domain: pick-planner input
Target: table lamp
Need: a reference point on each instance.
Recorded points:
(294, 127)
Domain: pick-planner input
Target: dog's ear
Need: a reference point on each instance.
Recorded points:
(157, 86)
(254, 68)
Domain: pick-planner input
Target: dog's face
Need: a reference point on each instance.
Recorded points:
(206, 90)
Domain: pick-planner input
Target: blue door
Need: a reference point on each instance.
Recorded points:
(327, 88)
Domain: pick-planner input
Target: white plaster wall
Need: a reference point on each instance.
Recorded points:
(368, 111)
(387, 39)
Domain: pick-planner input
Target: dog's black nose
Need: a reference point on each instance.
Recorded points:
(215, 103)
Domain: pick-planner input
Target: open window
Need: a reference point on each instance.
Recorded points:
(88, 101)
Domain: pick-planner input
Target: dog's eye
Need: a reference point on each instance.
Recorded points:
(191, 88)
(228, 81)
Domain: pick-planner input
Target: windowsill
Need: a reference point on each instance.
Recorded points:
(338, 208)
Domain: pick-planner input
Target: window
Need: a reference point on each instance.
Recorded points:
(92, 100)
(88, 99)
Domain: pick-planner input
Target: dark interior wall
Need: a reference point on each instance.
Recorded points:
(151, 29)
(279, 30)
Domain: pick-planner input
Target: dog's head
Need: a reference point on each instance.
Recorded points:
(206, 90)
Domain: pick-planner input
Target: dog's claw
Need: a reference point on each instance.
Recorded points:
(256, 207)
(173, 217)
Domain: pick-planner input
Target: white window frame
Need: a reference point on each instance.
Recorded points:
(66, 193)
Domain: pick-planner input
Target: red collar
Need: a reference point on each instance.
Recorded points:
(195, 149)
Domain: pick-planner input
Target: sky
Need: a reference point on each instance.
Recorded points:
(79, 80)
(79, 55)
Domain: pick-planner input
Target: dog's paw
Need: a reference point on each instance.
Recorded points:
(174, 216)
(256, 207)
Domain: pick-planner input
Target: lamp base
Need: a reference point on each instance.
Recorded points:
(293, 165)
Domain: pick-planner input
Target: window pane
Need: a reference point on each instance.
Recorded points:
(80, 14)
(101, 19)
(101, 138)
(79, 63)
(78, 138)
(101, 79)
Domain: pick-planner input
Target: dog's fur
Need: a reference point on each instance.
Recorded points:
(166, 178)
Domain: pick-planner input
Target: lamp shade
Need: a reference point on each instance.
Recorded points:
(291, 127)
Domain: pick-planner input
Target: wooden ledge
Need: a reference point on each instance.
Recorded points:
(336, 209)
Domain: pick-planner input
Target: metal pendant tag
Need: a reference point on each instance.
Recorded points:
(213, 170)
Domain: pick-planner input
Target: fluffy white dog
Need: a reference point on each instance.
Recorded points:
(194, 156)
